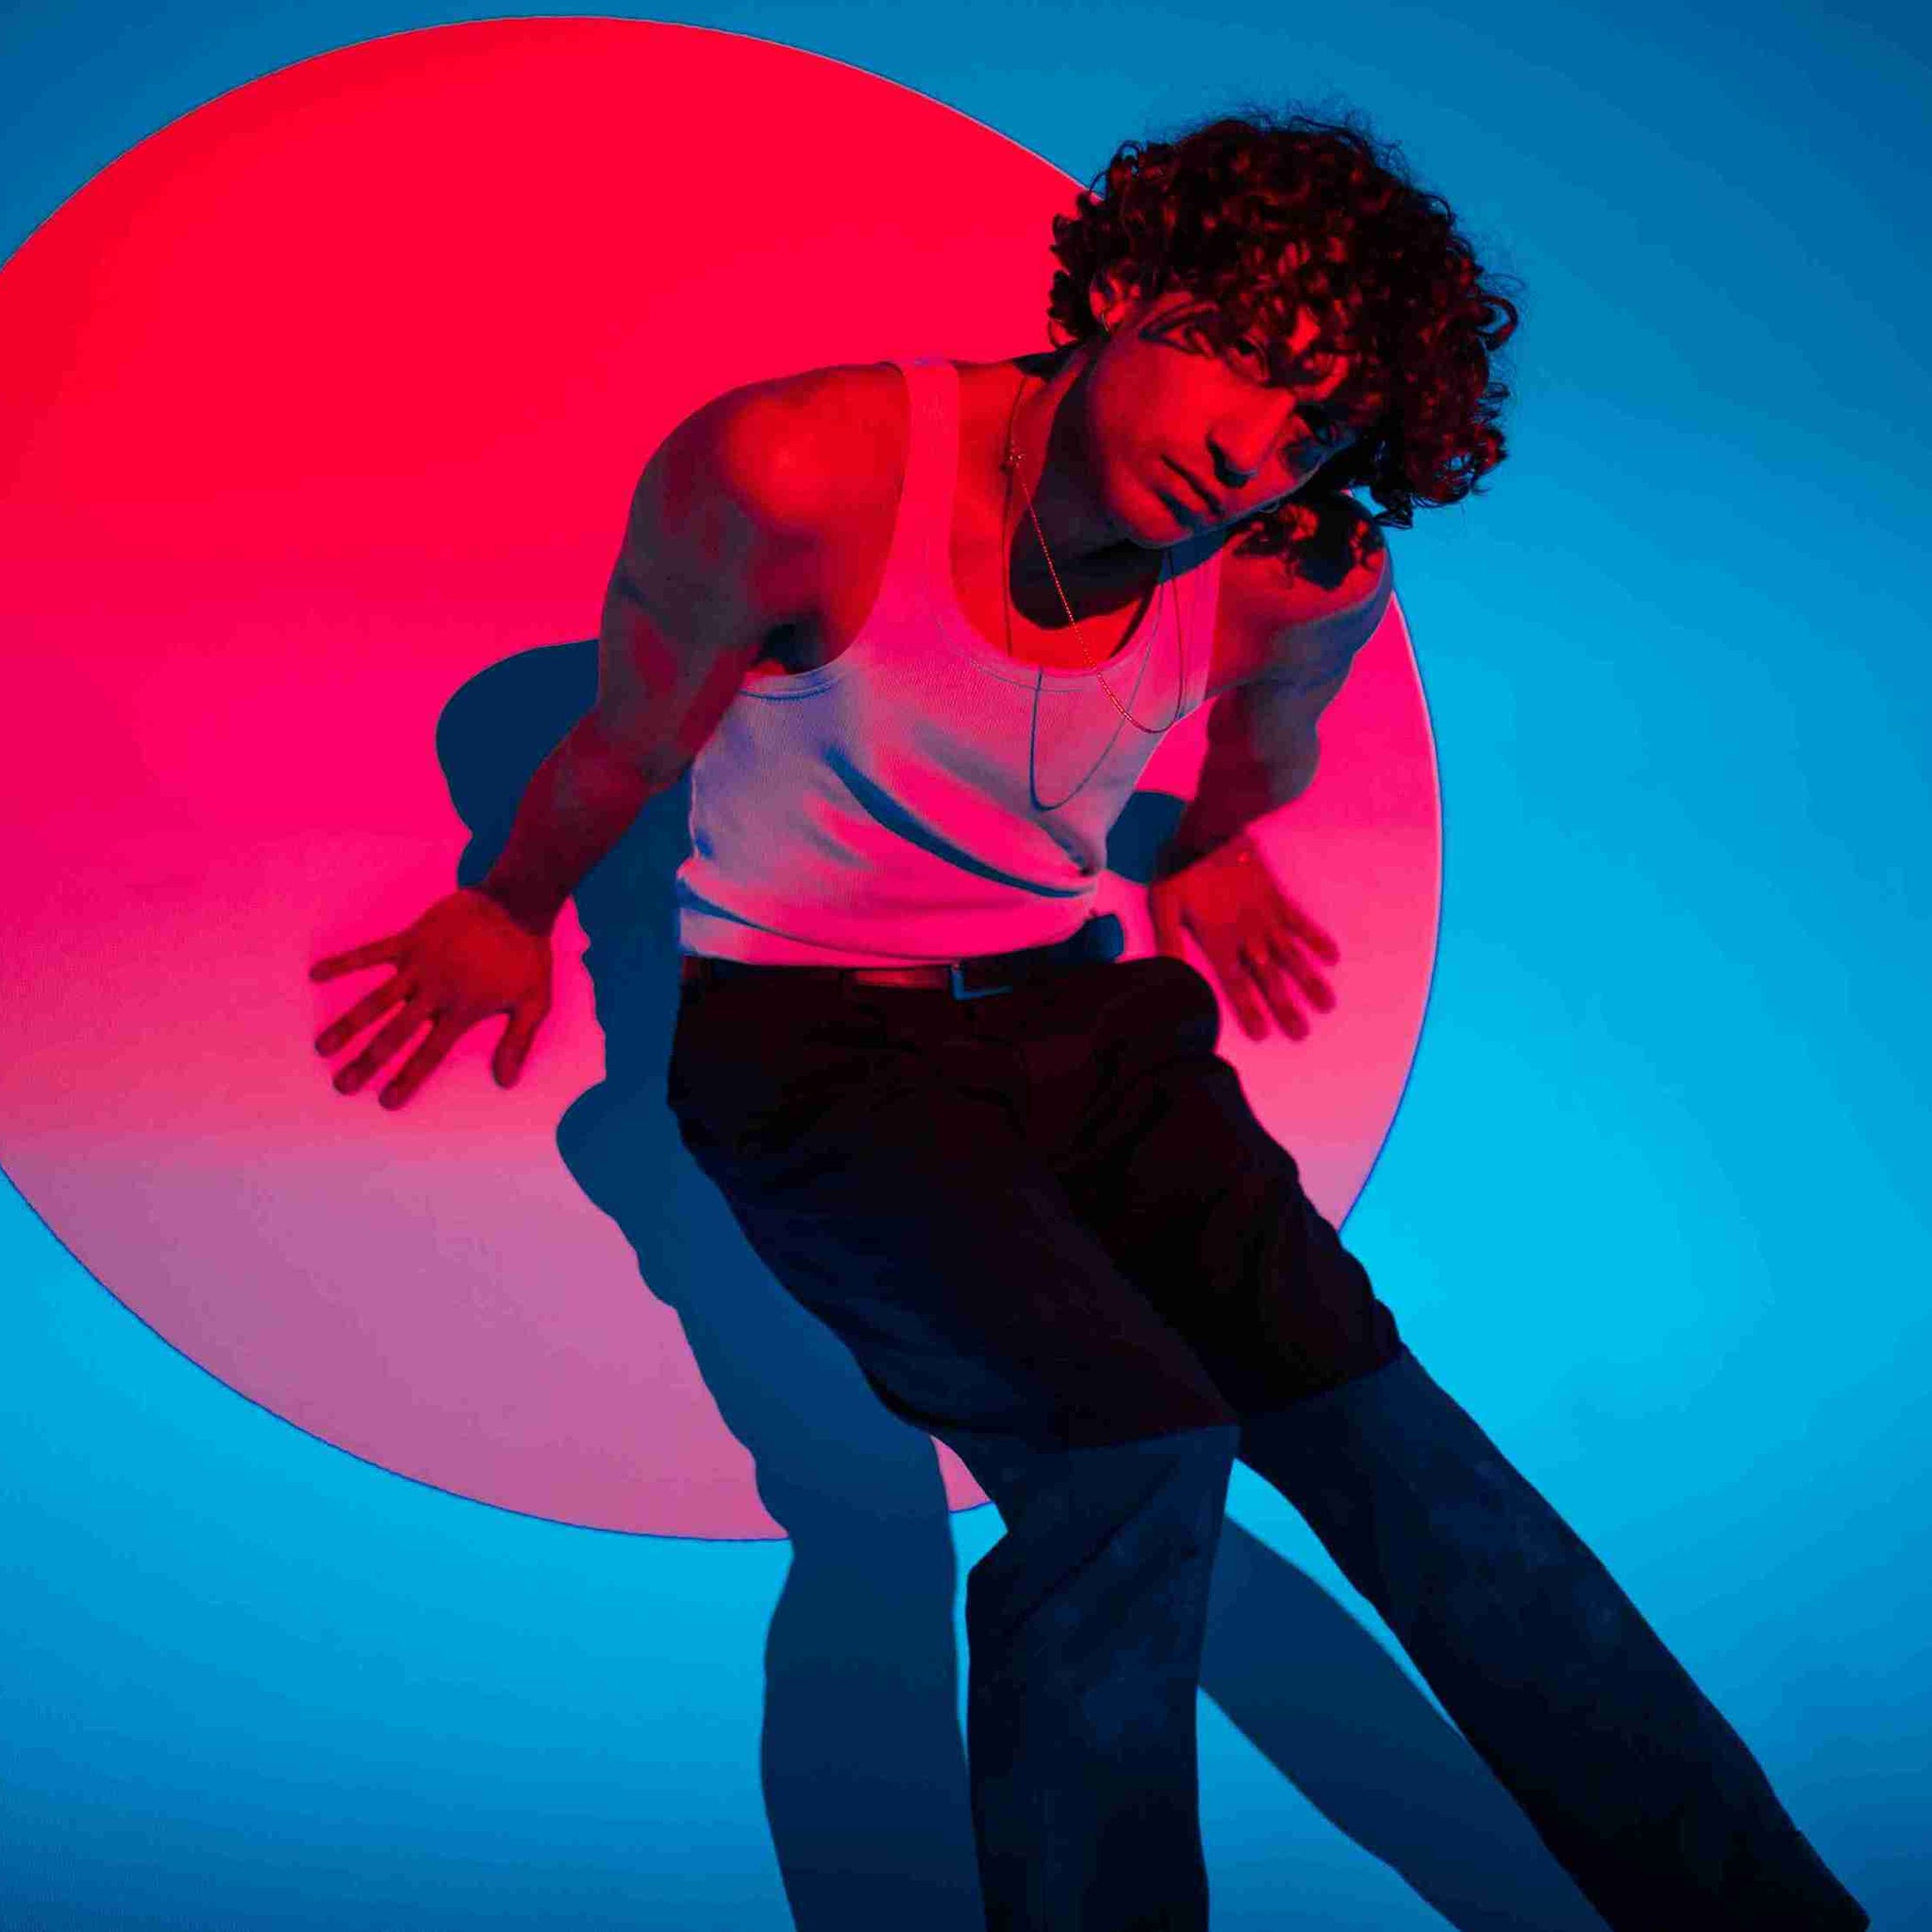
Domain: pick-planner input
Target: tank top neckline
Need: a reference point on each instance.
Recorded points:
(933, 456)
(916, 586)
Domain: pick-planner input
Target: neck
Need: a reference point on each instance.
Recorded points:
(1041, 459)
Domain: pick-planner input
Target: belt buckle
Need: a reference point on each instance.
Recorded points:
(962, 991)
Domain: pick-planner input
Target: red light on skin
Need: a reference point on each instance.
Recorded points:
(321, 402)
(1210, 507)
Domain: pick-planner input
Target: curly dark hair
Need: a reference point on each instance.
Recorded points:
(1259, 213)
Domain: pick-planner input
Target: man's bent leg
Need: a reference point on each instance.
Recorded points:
(1644, 1793)
(1639, 1787)
(876, 1157)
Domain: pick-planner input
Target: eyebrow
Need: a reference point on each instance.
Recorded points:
(1289, 371)
(1293, 372)
(1326, 417)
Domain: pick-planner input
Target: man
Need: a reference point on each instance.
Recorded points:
(913, 632)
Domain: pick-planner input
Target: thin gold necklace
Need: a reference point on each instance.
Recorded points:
(1011, 466)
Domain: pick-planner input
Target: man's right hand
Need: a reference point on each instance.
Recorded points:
(464, 959)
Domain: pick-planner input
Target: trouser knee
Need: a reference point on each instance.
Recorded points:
(1120, 1534)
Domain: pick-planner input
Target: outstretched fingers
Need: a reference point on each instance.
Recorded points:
(368, 1009)
(1258, 980)
(424, 1060)
(355, 1074)
(1305, 930)
(376, 953)
(1291, 952)
(514, 1047)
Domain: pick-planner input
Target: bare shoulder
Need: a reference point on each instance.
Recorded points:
(739, 524)
(1306, 588)
(797, 451)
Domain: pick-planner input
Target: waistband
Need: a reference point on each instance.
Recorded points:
(1100, 939)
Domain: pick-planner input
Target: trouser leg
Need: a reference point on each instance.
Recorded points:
(1085, 1625)
(1641, 1790)
(879, 1158)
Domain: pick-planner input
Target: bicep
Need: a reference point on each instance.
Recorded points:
(1271, 720)
(706, 571)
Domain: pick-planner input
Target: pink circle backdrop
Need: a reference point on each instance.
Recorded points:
(321, 401)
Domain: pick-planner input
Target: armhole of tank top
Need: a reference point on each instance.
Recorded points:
(905, 564)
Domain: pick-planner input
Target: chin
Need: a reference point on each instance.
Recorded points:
(1147, 523)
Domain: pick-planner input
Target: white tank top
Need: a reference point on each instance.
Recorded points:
(924, 797)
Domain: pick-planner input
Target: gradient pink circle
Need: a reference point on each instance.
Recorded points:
(321, 400)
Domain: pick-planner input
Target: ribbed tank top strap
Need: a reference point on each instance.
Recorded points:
(922, 532)
(1197, 597)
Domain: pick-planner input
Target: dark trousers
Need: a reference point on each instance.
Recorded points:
(1053, 1234)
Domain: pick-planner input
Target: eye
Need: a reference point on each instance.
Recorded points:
(1244, 352)
(1248, 354)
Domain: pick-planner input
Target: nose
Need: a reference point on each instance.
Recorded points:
(1242, 450)
(1235, 468)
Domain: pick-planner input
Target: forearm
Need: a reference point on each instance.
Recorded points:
(580, 802)
(1226, 801)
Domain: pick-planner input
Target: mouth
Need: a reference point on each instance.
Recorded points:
(1208, 503)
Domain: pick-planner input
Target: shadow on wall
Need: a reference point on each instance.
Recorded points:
(862, 1761)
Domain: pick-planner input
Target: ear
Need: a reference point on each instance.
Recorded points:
(1109, 296)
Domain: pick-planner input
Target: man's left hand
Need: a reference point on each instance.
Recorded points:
(1262, 945)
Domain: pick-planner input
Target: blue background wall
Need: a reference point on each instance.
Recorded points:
(1650, 1208)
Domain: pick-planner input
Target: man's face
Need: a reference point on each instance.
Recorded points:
(1184, 425)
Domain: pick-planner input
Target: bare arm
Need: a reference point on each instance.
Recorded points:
(714, 557)
(1262, 738)
(1212, 883)
(714, 560)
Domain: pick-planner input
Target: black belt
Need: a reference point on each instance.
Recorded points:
(1100, 939)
